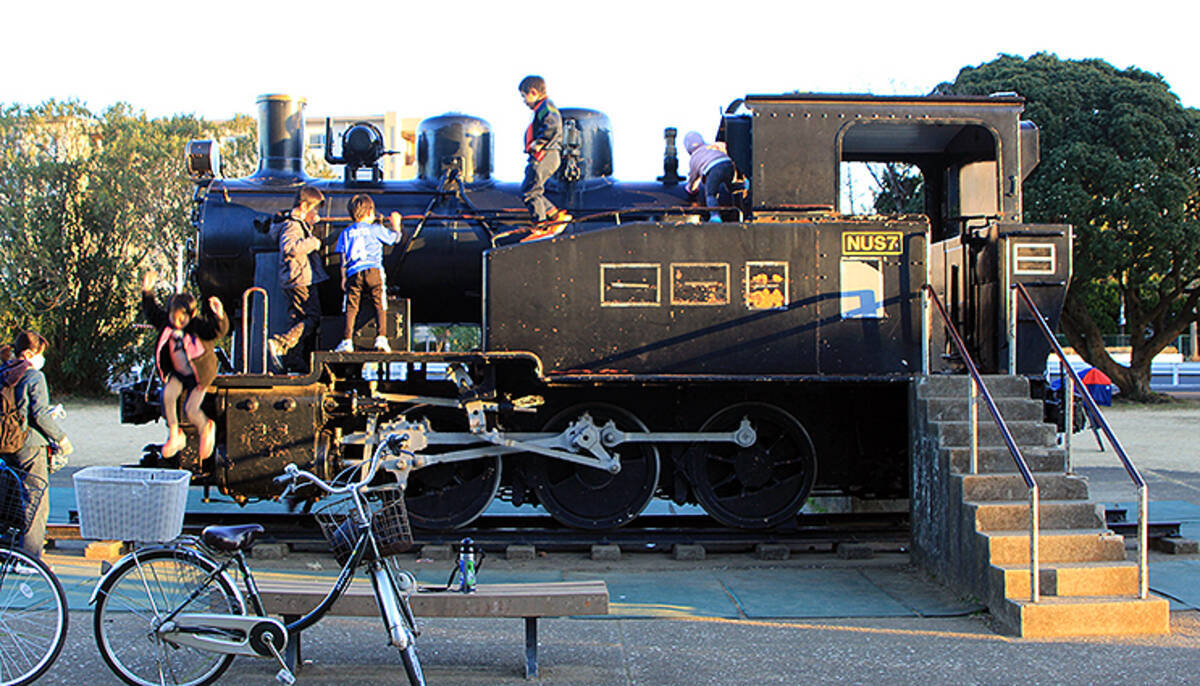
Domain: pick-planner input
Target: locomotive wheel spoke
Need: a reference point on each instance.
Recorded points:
(589, 498)
(762, 485)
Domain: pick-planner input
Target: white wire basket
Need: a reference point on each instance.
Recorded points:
(131, 503)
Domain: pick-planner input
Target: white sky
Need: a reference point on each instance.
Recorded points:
(646, 64)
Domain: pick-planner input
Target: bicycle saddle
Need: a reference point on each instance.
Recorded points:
(231, 538)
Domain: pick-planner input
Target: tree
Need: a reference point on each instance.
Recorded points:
(86, 201)
(1120, 162)
(901, 189)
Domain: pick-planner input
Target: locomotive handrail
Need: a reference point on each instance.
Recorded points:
(1097, 417)
(246, 328)
(1022, 466)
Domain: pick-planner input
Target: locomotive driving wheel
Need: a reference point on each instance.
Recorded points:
(448, 496)
(589, 498)
(760, 486)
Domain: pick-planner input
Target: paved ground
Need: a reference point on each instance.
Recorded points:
(693, 636)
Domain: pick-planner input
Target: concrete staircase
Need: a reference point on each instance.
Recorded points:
(972, 530)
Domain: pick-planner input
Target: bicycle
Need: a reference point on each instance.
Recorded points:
(33, 606)
(171, 613)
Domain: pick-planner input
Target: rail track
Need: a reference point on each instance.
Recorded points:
(650, 533)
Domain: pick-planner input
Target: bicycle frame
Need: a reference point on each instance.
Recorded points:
(219, 624)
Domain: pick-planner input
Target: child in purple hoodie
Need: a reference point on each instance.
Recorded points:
(711, 166)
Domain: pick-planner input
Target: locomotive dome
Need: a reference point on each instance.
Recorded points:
(454, 140)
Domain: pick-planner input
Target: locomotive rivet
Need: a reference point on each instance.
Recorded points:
(287, 404)
(251, 405)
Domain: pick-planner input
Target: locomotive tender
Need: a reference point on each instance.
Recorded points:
(646, 351)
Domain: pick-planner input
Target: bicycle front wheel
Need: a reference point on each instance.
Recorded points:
(412, 666)
(134, 598)
(33, 617)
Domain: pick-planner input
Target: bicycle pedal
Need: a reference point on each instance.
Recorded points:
(285, 676)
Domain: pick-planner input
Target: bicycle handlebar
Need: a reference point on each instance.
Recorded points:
(393, 443)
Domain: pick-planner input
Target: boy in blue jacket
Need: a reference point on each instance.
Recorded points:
(543, 143)
(361, 245)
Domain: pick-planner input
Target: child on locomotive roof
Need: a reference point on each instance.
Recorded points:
(361, 245)
(185, 360)
(543, 141)
(711, 168)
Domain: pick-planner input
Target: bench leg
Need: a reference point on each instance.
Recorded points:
(291, 654)
(531, 648)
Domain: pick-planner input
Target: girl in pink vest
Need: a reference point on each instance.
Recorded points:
(185, 360)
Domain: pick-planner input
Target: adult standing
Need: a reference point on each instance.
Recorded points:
(32, 402)
(300, 271)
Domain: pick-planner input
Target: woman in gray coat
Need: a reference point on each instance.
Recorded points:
(32, 400)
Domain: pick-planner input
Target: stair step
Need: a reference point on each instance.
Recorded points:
(1054, 545)
(993, 487)
(956, 386)
(994, 460)
(1085, 616)
(958, 409)
(1011, 515)
(1025, 433)
(1070, 579)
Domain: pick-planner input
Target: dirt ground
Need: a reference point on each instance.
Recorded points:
(100, 438)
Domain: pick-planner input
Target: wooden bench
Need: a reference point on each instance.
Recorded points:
(294, 599)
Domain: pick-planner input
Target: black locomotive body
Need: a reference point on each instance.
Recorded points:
(646, 351)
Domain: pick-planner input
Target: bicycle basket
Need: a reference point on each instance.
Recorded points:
(389, 521)
(131, 503)
(20, 495)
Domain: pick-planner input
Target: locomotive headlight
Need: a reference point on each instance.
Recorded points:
(203, 159)
(362, 145)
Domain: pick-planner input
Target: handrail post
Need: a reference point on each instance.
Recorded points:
(1143, 542)
(926, 332)
(973, 413)
(1035, 581)
(1068, 388)
(1011, 302)
(926, 318)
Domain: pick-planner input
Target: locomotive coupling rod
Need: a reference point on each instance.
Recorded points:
(744, 436)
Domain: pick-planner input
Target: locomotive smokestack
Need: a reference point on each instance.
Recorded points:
(280, 136)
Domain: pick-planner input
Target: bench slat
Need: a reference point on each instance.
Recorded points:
(556, 599)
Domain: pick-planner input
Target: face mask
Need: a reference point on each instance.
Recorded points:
(38, 361)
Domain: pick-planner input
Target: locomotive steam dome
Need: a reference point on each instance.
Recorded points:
(587, 145)
(454, 140)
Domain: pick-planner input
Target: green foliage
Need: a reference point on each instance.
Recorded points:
(86, 201)
(456, 338)
(1120, 162)
(901, 188)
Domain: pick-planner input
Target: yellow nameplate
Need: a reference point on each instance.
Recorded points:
(872, 243)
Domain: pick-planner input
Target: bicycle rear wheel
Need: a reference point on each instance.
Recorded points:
(33, 617)
(133, 598)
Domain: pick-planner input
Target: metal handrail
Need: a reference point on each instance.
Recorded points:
(1022, 465)
(1093, 410)
(246, 328)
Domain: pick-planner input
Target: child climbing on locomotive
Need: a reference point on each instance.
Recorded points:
(361, 245)
(185, 360)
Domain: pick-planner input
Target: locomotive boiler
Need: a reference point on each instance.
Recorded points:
(741, 365)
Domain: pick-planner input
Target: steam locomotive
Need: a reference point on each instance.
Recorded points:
(647, 351)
